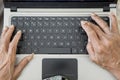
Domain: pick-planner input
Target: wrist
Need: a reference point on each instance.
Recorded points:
(116, 73)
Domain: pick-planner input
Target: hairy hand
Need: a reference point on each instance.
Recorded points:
(8, 69)
(104, 43)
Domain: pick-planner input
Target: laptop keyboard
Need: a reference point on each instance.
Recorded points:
(51, 35)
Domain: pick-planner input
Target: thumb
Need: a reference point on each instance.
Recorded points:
(19, 68)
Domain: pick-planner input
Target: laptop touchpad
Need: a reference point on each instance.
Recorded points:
(63, 67)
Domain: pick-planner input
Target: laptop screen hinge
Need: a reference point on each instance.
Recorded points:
(106, 9)
(13, 9)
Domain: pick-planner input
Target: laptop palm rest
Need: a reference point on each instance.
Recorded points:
(63, 67)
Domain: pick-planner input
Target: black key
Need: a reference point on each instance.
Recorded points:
(27, 24)
(53, 19)
(72, 19)
(46, 24)
(14, 23)
(85, 18)
(20, 18)
(28, 50)
(20, 24)
(14, 19)
(27, 18)
(33, 18)
(39, 24)
(85, 43)
(82, 50)
(33, 23)
(74, 51)
(46, 18)
(83, 32)
(54, 50)
(52, 24)
(18, 51)
(39, 18)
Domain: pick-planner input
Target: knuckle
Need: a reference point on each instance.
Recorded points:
(26, 60)
(92, 32)
(96, 16)
(103, 23)
(88, 46)
(89, 23)
(100, 49)
(11, 45)
(109, 43)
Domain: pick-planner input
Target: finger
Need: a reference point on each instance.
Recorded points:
(16, 38)
(90, 50)
(2, 36)
(8, 36)
(98, 31)
(13, 46)
(4, 32)
(19, 68)
(90, 32)
(101, 23)
(114, 25)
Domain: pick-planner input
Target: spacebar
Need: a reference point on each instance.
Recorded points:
(55, 51)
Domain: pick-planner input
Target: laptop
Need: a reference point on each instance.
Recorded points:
(52, 30)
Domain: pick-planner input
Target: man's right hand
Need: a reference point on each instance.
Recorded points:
(104, 43)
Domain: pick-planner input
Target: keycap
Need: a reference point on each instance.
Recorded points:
(39, 24)
(74, 51)
(54, 50)
(27, 18)
(14, 18)
(33, 18)
(20, 18)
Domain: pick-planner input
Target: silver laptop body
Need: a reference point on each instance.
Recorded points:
(86, 70)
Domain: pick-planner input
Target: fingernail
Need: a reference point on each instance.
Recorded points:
(93, 14)
(30, 57)
(112, 13)
(12, 26)
(83, 22)
(19, 32)
(5, 28)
